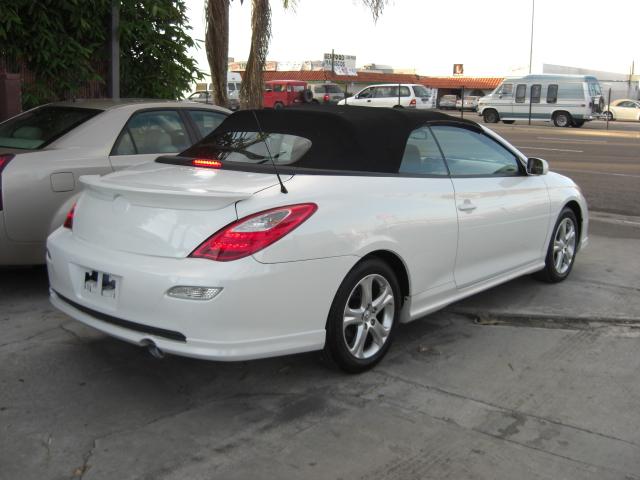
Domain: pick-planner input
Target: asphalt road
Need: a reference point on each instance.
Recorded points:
(606, 165)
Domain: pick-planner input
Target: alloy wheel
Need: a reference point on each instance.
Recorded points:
(564, 246)
(368, 316)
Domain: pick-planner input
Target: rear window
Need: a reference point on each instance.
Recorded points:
(37, 128)
(252, 147)
(420, 91)
(332, 89)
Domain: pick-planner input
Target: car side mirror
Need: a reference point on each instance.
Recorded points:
(356, 96)
(537, 166)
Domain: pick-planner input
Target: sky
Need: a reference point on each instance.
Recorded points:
(490, 37)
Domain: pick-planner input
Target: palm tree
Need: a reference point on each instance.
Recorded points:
(217, 46)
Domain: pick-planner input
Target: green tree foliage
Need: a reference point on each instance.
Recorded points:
(56, 40)
(154, 40)
(63, 43)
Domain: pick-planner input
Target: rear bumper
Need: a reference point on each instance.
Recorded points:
(263, 310)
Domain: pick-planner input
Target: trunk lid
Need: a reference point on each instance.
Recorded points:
(162, 210)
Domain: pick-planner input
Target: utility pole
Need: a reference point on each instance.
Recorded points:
(114, 50)
(533, 11)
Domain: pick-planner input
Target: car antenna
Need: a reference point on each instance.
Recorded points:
(283, 189)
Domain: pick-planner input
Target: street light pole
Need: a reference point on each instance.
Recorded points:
(533, 11)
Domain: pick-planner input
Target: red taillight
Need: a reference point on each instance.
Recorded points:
(68, 221)
(253, 233)
(412, 103)
(326, 98)
(207, 163)
(4, 161)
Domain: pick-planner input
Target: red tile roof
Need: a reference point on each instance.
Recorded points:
(483, 83)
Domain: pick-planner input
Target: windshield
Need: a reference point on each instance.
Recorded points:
(251, 147)
(37, 128)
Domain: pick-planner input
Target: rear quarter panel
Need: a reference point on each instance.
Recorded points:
(413, 217)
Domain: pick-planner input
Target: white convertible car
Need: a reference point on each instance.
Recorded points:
(309, 229)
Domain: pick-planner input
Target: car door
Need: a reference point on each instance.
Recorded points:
(521, 102)
(502, 101)
(430, 229)
(149, 134)
(503, 213)
(627, 111)
(385, 96)
(362, 98)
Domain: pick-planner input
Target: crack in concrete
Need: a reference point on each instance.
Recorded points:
(558, 322)
(519, 419)
(505, 409)
(85, 464)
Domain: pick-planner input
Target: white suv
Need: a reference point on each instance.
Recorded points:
(405, 95)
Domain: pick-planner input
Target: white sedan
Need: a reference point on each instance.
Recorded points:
(310, 229)
(623, 109)
(44, 151)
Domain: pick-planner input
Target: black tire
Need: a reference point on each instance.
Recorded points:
(278, 105)
(551, 273)
(398, 106)
(336, 350)
(490, 116)
(508, 122)
(577, 123)
(562, 119)
(609, 116)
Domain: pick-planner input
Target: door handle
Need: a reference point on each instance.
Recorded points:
(467, 206)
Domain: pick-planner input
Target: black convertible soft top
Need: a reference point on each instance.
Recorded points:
(343, 137)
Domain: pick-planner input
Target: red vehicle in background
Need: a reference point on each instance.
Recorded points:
(282, 93)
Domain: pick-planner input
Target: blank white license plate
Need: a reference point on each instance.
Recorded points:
(100, 284)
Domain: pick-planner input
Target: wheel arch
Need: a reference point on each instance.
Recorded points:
(397, 265)
(577, 211)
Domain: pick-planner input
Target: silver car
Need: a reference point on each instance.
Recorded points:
(44, 151)
(327, 93)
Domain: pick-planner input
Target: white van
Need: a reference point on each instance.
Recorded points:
(204, 92)
(567, 100)
(234, 81)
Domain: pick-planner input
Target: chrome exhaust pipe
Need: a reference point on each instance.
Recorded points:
(153, 349)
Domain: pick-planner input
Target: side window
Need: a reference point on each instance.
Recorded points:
(535, 93)
(366, 93)
(386, 92)
(470, 153)
(153, 132)
(626, 104)
(205, 120)
(318, 89)
(506, 89)
(404, 91)
(124, 145)
(422, 155)
(278, 88)
(552, 93)
(521, 93)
